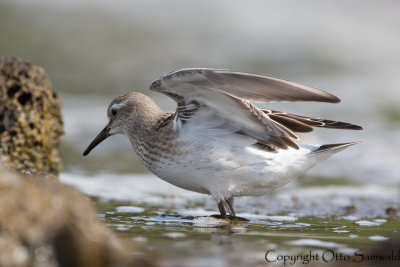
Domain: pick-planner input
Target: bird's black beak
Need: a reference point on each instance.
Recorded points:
(98, 139)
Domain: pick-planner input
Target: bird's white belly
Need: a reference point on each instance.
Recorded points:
(237, 171)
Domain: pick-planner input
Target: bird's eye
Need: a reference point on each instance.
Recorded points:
(114, 111)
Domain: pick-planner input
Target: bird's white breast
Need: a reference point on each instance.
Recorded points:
(222, 169)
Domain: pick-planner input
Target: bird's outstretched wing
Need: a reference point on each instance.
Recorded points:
(302, 124)
(216, 103)
(255, 88)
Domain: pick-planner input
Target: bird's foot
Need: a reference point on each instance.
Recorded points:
(230, 218)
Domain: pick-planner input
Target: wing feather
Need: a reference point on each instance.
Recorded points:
(298, 123)
(255, 88)
(215, 103)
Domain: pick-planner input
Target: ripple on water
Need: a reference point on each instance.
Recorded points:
(367, 223)
(350, 218)
(378, 238)
(140, 239)
(174, 235)
(315, 243)
(340, 231)
(129, 209)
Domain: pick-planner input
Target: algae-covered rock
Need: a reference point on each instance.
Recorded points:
(46, 223)
(30, 118)
(42, 221)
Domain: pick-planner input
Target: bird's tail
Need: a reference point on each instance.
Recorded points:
(332, 148)
(315, 154)
(322, 152)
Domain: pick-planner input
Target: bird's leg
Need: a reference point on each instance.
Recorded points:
(229, 203)
(222, 209)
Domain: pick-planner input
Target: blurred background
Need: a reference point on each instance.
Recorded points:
(95, 50)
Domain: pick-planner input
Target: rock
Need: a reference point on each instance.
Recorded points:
(350, 209)
(42, 221)
(30, 118)
(391, 211)
(46, 223)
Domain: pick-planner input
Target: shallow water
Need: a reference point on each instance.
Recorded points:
(193, 240)
(317, 214)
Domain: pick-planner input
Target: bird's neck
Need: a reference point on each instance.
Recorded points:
(146, 120)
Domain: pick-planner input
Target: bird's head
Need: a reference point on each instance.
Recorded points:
(128, 114)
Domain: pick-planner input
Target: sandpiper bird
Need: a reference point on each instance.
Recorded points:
(217, 142)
